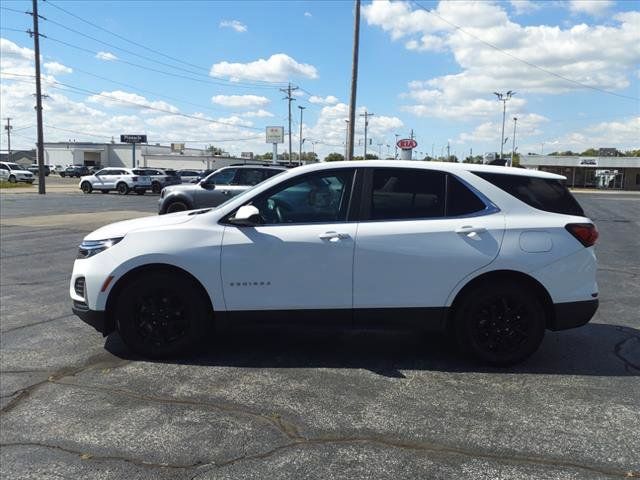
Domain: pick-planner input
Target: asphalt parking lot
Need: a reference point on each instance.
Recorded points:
(290, 405)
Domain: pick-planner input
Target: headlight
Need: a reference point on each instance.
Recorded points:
(89, 248)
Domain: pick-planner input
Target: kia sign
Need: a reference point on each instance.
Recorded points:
(275, 135)
(407, 144)
(133, 138)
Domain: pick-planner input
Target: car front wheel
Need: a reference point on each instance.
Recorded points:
(156, 187)
(161, 315)
(177, 206)
(86, 187)
(122, 188)
(500, 324)
(12, 179)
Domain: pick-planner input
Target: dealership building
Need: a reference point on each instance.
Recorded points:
(122, 155)
(603, 172)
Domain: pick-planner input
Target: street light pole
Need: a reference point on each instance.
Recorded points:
(300, 153)
(513, 147)
(503, 97)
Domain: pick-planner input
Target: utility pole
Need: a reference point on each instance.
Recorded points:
(288, 91)
(395, 154)
(300, 154)
(503, 97)
(513, 147)
(346, 141)
(40, 146)
(366, 116)
(448, 151)
(354, 83)
(8, 128)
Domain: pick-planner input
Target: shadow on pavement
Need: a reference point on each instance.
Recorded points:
(595, 349)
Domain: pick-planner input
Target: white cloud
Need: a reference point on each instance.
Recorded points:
(106, 56)
(257, 113)
(277, 68)
(622, 134)
(489, 132)
(236, 101)
(56, 68)
(234, 24)
(328, 100)
(590, 7)
(308, 14)
(121, 99)
(522, 7)
(602, 56)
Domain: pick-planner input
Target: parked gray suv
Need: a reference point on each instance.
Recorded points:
(215, 189)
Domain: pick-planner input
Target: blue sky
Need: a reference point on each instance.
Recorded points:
(416, 72)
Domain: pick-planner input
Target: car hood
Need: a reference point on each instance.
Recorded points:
(22, 172)
(183, 187)
(120, 229)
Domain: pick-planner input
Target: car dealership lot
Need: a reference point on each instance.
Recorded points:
(292, 404)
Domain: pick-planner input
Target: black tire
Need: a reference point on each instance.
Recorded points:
(61, 175)
(177, 206)
(500, 324)
(12, 179)
(156, 187)
(86, 187)
(162, 314)
(104, 191)
(123, 188)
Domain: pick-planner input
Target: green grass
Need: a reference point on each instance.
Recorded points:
(4, 184)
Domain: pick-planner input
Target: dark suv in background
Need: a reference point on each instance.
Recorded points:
(35, 169)
(75, 171)
(160, 177)
(215, 189)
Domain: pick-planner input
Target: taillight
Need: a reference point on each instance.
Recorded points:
(135, 179)
(585, 233)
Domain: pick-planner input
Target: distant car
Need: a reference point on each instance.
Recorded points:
(217, 188)
(160, 178)
(189, 176)
(33, 168)
(56, 169)
(122, 180)
(75, 171)
(12, 172)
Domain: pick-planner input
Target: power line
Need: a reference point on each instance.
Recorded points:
(12, 10)
(533, 65)
(13, 30)
(200, 67)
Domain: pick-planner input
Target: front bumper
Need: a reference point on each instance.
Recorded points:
(91, 317)
(573, 314)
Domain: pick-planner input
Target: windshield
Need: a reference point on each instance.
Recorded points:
(15, 166)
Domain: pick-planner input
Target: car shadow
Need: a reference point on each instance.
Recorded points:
(594, 349)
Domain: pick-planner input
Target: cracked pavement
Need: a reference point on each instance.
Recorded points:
(294, 404)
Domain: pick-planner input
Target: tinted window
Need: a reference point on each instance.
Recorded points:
(461, 200)
(318, 198)
(141, 172)
(400, 193)
(545, 194)
(222, 178)
(247, 176)
(270, 173)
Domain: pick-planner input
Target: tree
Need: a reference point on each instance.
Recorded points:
(334, 157)
(590, 152)
(632, 153)
(214, 150)
(470, 159)
(265, 156)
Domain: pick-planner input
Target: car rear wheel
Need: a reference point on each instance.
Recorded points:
(122, 188)
(161, 315)
(12, 179)
(86, 187)
(177, 206)
(156, 187)
(500, 324)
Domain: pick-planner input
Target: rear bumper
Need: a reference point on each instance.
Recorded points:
(91, 317)
(573, 314)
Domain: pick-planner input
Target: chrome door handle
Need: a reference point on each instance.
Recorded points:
(226, 192)
(333, 236)
(468, 229)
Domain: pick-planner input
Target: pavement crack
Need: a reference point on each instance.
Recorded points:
(286, 428)
(104, 458)
(619, 353)
(20, 327)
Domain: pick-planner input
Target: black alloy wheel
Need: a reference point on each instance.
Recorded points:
(86, 187)
(162, 315)
(156, 187)
(177, 206)
(122, 188)
(501, 324)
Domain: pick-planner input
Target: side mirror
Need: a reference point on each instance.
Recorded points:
(207, 185)
(246, 216)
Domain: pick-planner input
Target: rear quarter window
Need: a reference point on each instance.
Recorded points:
(546, 194)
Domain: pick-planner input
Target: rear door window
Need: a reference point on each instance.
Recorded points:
(460, 199)
(546, 194)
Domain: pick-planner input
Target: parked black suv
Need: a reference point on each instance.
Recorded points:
(75, 171)
(33, 168)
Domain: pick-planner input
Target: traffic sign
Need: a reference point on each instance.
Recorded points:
(133, 138)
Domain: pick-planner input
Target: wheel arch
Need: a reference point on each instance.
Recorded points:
(134, 273)
(511, 275)
(177, 198)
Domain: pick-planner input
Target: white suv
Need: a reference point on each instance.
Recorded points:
(122, 180)
(494, 255)
(12, 172)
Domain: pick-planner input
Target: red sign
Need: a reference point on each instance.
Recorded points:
(407, 143)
